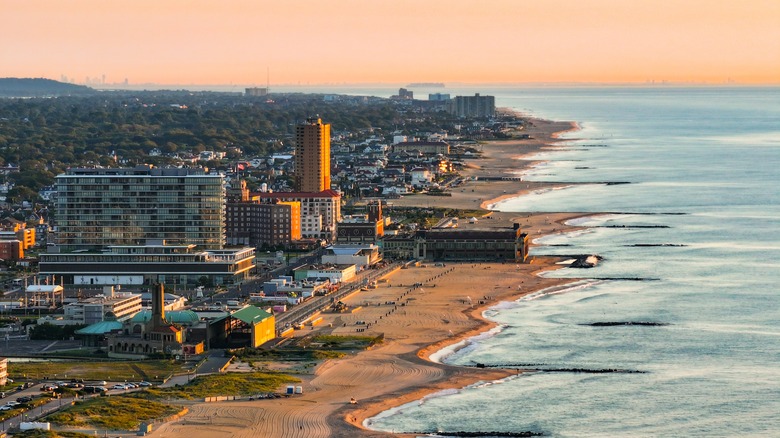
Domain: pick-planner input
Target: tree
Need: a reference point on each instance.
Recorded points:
(20, 193)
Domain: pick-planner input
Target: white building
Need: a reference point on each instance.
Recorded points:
(361, 256)
(334, 273)
(121, 306)
(421, 177)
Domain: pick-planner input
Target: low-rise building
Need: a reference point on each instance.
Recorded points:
(120, 307)
(149, 264)
(398, 246)
(320, 211)
(472, 244)
(362, 256)
(426, 147)
(248, 327)
(334, 273)
(365, 228)
(170, 301)
(44, 295)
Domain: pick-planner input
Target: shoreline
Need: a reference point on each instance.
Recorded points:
(432, 317)
(507, 153)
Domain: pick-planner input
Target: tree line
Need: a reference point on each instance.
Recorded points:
(45, 136)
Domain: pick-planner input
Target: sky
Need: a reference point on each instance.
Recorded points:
(391, 41)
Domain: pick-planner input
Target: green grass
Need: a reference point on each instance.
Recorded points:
(325, 354)
(115, 413)
(109, 370)
(220, 384)
(78, 353)
(313, 348)
(50, 434)
(344, 342)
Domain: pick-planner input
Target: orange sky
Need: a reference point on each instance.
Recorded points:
(392, 41)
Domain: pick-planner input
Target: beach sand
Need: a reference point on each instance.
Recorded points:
(446, 309)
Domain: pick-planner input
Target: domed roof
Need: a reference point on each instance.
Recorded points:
(100, 328)
(187, 317)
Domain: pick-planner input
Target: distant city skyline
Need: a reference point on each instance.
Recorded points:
(202, 42)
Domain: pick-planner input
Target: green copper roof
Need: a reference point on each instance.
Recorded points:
(100, 328)
(251, 315)
(173, 317)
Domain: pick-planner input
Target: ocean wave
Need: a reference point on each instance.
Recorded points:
(437, 394)
(392, 412)
(560, 289)
(485, 384)
(543, 240)
(464, 346)
(586, 221)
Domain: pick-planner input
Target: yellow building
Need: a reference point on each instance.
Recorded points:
(312, 156)
(250, 327)
(295, 218)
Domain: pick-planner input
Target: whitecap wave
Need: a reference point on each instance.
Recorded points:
(465, 345)
(560, 289)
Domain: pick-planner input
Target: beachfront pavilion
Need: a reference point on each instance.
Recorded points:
(472, 244)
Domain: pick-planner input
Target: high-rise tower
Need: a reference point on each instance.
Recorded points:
(312, 156)
(97, 208)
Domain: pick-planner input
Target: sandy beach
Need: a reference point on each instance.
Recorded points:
(415, 322)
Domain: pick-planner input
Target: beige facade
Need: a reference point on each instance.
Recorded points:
(3, 371)
(320, 212)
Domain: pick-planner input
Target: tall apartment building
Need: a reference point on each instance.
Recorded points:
(312, 156)
(472, 106)
(97, 208)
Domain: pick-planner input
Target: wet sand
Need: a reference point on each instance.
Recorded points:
(415, 322)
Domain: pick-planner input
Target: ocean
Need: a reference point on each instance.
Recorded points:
(676, 331)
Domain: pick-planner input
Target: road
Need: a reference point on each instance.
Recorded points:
(307, 309)
(256, 284)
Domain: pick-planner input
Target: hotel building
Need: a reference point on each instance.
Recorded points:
(472, 106)
(142, 226)
(97, 208)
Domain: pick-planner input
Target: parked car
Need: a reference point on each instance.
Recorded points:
(94, 389)
(5, 408)
(145, 384)
(119, 386)
(24, 399)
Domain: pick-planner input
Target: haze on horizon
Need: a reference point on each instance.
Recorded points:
(355, 41)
